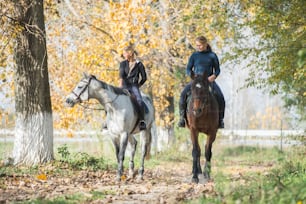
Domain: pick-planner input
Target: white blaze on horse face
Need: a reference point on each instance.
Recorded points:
(198, 85)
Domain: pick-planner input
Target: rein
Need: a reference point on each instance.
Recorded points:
(112, 101)
(87, 107)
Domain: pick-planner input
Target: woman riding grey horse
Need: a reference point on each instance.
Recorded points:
(130, 72)
(121, 118)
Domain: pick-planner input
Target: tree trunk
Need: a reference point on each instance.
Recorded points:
(34, 125)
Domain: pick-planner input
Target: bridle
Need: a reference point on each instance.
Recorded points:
(203, 100)
(83, 90)
(78, 96)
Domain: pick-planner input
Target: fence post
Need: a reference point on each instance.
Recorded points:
(281, 142)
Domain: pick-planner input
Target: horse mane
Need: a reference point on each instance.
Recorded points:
(116, 90)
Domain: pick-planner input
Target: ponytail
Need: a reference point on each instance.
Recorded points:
(209, 47)
(203, 40)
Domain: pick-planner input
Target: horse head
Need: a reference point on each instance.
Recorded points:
(80, 92)
(199, 93)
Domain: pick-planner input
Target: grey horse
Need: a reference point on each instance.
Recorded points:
(121, 118)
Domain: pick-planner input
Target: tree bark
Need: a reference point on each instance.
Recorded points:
(34, 125)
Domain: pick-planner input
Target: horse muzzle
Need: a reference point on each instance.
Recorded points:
(70, 102)
(197, 112)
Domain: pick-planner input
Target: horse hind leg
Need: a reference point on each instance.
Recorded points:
(133, 143)
(207, 170)
(208, 155)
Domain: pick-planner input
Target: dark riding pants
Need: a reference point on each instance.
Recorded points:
(136, 92)
(216, 91)
(134, 89)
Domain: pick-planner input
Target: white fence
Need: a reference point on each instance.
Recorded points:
(224, 133)
(232, 137)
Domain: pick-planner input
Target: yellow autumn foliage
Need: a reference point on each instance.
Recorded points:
(90, 38)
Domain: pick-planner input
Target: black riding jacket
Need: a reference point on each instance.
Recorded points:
(133, 77)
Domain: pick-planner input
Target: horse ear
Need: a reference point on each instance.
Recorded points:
(85, 75)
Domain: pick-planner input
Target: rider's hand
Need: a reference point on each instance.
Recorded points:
(212, 78)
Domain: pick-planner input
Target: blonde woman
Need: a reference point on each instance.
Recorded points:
(132, 76)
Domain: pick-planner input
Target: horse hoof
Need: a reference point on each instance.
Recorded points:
(118, 178)
(195, 180)
(131, 174)
(206, 176)
(140, 178)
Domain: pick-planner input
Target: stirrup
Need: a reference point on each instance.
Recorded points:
(142, 125)
(181, 123)
(221, 124)
(104, 125)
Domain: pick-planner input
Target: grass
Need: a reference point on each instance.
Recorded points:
(5, 149)
(67, 199)
(284, 182)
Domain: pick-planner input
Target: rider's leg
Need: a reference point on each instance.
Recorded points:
(221, 102)
(142, 123)
(183, 105)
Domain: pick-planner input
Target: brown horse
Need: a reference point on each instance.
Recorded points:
(202, 117)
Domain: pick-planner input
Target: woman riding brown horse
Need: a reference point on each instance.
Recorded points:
(202, 116)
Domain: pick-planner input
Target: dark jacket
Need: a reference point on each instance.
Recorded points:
(134, 76)
(200, 62)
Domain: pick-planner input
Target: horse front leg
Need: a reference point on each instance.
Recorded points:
(123, 144)
(117, 147)
(133, 143)
(145, 137)
(208, 154)
(196, 153)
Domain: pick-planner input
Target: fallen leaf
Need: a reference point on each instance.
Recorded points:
(42, 177)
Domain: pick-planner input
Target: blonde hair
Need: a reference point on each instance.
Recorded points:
(130, 48)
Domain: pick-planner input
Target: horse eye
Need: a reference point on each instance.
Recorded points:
(79, 87)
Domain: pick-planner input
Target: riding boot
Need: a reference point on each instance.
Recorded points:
(221, 104)
(221, 123)
(182, 111)
(142, 122)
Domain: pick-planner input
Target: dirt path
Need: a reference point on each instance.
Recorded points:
(163, 184)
